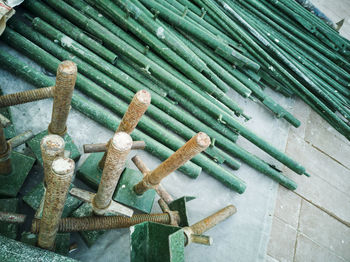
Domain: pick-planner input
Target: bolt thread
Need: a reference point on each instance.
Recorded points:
(118, 150)
(207, 223)
(132, 116)
(65, 81)
(56, 193)
(74, 224)
(194, 146)
(52, 146)
(26, 96)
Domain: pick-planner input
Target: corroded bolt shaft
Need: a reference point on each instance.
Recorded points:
(4, 122)
(56, 193)
(118, 151)
(26, 96)
(20, 139)
(74, 224)
(65, 81)
(207, 223)
(52, 146)
(5, 153)
(162, 193)
(194, 146)
(102, 147)
(132, 116)
(12, 217)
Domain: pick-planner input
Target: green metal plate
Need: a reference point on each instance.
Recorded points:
(180, 206)
(90, 237)
(33, 199)
(14, 251)
(155, 242)
(61, 244)
(89, 172)
(9, 229)
(6, 112)
(34, 145)
(125, 194)
(21, 165)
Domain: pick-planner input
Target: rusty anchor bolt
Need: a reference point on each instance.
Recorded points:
(12, 217)
(56, 193)
(102, 147)
(74, 224)
(5, 154)
(65, 81)
(162, 193)
(132, 116)
(117, 153)
(52, 146)
(194, 232)
(194, 146)
(102, 202)
(26, 96)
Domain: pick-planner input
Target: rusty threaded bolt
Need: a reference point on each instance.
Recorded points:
(12, 217)
(5, 154)
(102, 147)
(74, 224)
(132, 116)
(52, 146)
(26, 96)
(117, 153)
(65, 81)
(56, 193)
(162, 193)
(207, 223)
(136, 109)
(194, 146)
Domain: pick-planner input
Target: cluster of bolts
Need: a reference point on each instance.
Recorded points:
(59, 170)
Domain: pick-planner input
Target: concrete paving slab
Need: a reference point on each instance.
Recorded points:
(322, 136)
(324, 230)
(282, 241)
(319, 164)
(288, 207)
(308, 250)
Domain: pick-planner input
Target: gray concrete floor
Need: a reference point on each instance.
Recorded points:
(312, 223)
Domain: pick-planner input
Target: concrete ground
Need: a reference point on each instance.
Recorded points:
(312, 223)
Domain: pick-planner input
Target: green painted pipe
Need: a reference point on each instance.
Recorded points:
(145, 124)
(227, 145)
(117, 45)
(179, 22)
(42, 10)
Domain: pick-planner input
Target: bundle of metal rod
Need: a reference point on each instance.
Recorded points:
(116, 44)
(224, 143)
(266, 32)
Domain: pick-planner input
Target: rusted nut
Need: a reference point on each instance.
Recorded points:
(65, 81)
(26, 96)
(12, 217)
(194, 146)
(52, 146)
(207, 223)
(74, 224)
(118, 151)
(102, 147)
(56, 193)
(5, 160)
